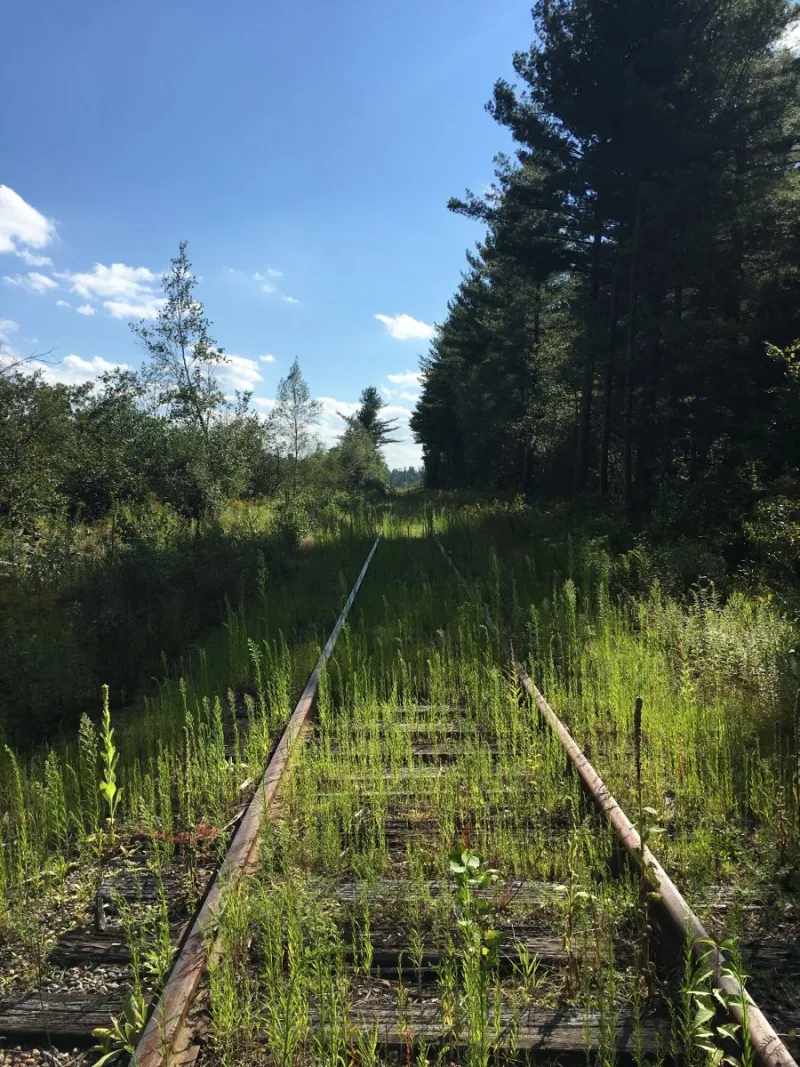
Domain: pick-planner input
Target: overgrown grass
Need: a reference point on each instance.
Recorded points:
(364, 841)
(87, 608)
(719, 751)
(184, 758)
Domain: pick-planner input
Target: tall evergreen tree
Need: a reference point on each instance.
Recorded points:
(639, 252)
(367, 416)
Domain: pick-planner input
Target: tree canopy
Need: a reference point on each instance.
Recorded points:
(641, 248)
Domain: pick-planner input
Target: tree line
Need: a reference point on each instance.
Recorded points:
(168, 433)
(622, 330)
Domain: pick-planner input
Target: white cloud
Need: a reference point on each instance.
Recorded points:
(123, 309)
(32, 282)
(63, 304)
(406, 328)
(117, 281)
(404, 378)
(266, 281)
(405, 453)
(264, 402)
(240, 372)
(7, 327)
(34, 261)
(22, 226)
(408, 377)
(72, 370)
(332, 426)
(268, 358)
(86, 309)
(126, 292)
(791, 37)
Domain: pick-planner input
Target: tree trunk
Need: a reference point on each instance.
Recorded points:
(608, 384)
(627, 451)
(649, 444)
(587, 383)
(537, 339)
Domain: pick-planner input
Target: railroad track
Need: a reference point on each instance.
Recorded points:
(356, 938)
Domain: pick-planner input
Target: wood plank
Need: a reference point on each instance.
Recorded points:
(63, 1018)
(88, 946)
(144, 886)
(386, 958)
(536, 1029)
(524, 893)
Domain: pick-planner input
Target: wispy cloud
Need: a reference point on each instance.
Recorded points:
(32, 282)
(7, 327)
(63, 304)
(267, 282)
(86, 309)
(268, 358)
(406, 328)
(124, 309)
(399, 390)
(407, 377)
(33, 261)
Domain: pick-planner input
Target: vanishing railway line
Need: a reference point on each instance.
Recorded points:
(364, 937)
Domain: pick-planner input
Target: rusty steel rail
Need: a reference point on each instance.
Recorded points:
(765, 1042)
(163, 1038)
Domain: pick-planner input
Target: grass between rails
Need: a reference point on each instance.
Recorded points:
(158, 794)
(719, 768)
(719, 682)
(359, 861)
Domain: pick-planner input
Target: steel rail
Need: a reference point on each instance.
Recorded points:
(164, 1029)
(765, 1042)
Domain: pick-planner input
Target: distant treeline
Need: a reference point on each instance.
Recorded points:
(405, 477)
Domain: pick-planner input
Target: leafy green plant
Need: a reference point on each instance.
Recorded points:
(480, 943)
(108, 787)
(122, 1036)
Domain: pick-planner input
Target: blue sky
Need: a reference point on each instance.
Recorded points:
(305, 150)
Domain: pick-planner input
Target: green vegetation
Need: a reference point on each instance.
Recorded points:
(610, 424)
(156, 788)
(625, 328)
(462, 853)
(123, 530)
(405, 478)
